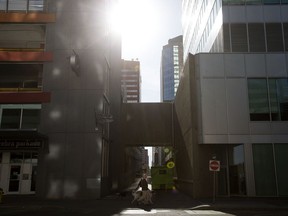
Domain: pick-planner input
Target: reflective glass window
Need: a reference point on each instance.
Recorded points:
(258, 100)
(271, 1)
(264, 170)
(285, 29)
(278, 94)
(248, 2)
(36, 5)
(239, 38)
(274, 37)
(17, 5)
(281, 160)
(3, 5)
(256, 36)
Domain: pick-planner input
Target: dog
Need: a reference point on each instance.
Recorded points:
(142, 197)
(136, 195)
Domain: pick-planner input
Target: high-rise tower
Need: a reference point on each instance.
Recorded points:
(171, 66)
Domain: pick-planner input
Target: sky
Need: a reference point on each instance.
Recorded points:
(146, 26)
(150, 24)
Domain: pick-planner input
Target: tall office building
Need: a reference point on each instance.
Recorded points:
(130, 81)
(59, 93)
(171, 66)
(232, 103)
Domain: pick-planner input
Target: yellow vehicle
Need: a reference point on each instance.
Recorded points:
(162, 178)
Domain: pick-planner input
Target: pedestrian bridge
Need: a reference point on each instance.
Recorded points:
(147, 124)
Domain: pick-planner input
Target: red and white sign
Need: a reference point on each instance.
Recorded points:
(214, 165)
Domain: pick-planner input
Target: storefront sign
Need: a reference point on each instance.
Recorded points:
(15, 144)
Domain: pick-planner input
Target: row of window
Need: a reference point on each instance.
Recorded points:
(20, 116)
(255, 37)
(253, 2)
(22, 157)
(268, 99)
(22, 5)
(20, 77)
(22, 37)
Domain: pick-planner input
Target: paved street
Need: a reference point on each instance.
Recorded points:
(166, 203)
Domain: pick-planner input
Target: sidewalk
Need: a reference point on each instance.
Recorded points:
(111, 205)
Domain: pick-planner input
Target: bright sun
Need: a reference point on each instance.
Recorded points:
(135, 20)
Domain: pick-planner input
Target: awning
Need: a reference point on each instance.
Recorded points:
(19, 139)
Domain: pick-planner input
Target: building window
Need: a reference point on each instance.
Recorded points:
(21, 77)
(256, 37)
(22, 37)
(258, 100)
(270, 165)
(264, 170)
(285, 29)
(274, 37)
(10, 118)
(22, 5)
(268, 99)
(239, 38)
(21, 117)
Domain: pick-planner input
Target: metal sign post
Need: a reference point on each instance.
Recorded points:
(214, 165)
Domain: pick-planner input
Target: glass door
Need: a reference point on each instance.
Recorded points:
(14, 181)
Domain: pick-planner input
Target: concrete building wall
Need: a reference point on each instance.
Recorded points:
(212, 115)
(72, 166)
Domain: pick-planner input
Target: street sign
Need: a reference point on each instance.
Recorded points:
(214, 165)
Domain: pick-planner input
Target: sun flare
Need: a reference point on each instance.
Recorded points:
(135, 20)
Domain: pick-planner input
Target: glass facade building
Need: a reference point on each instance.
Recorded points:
(240, 50)
(171, 66)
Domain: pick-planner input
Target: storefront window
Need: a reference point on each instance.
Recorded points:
(16, 157)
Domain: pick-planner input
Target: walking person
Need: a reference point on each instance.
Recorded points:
(146, 197)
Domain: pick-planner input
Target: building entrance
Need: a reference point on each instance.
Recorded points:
(18, 172)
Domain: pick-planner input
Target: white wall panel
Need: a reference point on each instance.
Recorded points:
(255, 65)
(279, 127)
(212, 65)
(238, 112)
(276, 65)
(260, 127)
(214, 111)
(234, 65)
(254, 13)
(272, 13)
(237, 14)
(284, 14)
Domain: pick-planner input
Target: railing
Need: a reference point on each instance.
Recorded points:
(9, 45)
(20, 89)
